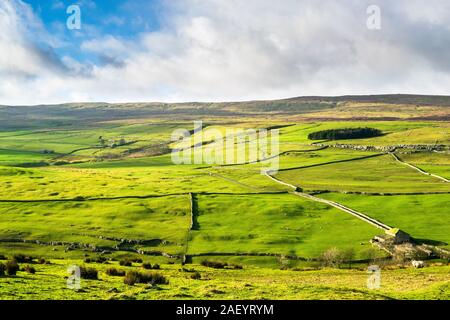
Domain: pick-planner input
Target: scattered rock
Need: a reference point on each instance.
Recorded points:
(215, 291)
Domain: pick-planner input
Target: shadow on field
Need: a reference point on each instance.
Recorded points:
(431, 242)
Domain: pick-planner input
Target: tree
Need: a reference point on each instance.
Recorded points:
(331, 258)
(348, 255)
(102, 141)
(371, 254)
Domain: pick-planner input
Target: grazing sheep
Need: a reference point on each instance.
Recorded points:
(418, 264)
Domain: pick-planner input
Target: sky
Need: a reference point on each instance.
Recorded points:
(220, 50)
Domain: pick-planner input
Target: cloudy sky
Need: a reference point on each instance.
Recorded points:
(220, 50)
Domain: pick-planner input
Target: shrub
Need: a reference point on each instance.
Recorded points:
(212, 264)
(101, 260)
(12, 267)
(153, 278)
(29, 269)
(2, 269)
(2, 257)
(21, 258)
(88, 273)
(136, 260)
(95, 260)
(113, 272)
(125, 263)
(133, 277)
(149, 266)
(196, 276)
(43, 261)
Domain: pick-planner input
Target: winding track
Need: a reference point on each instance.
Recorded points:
(339, 206)
(417, 169)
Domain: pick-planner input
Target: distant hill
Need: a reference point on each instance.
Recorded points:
(421, 100)
(388, 107)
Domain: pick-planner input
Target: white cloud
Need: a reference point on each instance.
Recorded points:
(19, 55)
(108, 45)
(58, 5)
(236, 50)
(114, 20)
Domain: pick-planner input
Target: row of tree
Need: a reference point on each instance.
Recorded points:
(345, 133)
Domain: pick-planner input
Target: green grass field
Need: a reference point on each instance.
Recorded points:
(424, 216)
(378, 175)
(68, 193)
(436, 163)
(164, 219)
(283, 224)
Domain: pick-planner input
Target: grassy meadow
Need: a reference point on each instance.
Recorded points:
(106, 187)
(240, 224)
(424, 216)
(379, 174)
(249, 284)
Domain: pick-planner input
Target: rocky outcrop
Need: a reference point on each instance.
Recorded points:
(400, 244)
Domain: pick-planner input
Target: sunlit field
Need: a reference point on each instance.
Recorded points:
(102, 193)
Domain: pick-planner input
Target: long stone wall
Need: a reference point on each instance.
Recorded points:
(412, 147)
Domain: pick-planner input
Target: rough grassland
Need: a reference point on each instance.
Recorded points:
(58, 183)
(251, 283)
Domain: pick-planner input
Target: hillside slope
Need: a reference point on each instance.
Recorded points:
(380, 107)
